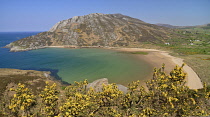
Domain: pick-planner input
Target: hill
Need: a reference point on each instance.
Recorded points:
(199, 28)
(98, 30)
(167, 25)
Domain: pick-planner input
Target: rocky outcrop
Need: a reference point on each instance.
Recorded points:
(95, 30)
(122, 88)
(97, 85)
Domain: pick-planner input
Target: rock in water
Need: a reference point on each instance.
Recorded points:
(95, 30)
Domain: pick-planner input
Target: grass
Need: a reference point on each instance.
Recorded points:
(63, 87)
(196, 56)
(198, 29)
(190, 50)
(137, 52)
(193, 47)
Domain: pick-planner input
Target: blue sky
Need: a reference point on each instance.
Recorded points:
(41, 15)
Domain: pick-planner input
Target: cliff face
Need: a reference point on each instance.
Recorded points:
(95, 30)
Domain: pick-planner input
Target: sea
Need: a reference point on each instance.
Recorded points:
(71, 65)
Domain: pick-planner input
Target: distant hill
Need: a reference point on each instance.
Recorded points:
(167, 25)
(99, 30)
(205, 26)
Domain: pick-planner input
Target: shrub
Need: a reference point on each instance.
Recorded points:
(163, 95)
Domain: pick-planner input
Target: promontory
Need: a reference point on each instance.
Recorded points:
(96, 30)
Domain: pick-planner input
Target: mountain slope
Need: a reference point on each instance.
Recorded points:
(95, 30)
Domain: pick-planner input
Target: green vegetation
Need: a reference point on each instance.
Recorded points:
(194, 49)
(193, 46)
(193, 43)
(22, 101)
(143, 53)
(49, 99)
(137, 52)
(193, 40)
(198, 29)
(164, 95)
(187, 50)
(191, 51)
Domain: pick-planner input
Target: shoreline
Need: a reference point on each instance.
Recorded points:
(156, 58)
(74, 47)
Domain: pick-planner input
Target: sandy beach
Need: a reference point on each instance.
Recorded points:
(156, 58)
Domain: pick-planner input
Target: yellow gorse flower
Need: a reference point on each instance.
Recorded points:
(163, 95)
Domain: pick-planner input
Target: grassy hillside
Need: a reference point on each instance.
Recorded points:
(193, 47)
(199, 29)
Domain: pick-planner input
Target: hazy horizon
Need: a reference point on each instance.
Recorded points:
(29, 16)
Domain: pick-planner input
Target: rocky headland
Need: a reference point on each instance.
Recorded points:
(96, 30)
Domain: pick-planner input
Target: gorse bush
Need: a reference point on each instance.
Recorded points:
(163, 95)
(22, 101)
(49, 99)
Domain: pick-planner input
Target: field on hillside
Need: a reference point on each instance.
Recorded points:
(198, 29)
(194, 48)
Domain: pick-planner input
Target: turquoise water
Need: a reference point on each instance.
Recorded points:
(75, 64)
